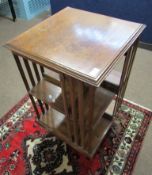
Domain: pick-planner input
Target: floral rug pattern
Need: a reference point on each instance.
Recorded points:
(27, 149)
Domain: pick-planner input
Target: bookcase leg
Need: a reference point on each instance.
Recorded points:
(128, 63)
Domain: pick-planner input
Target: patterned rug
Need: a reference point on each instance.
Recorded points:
(27, 149)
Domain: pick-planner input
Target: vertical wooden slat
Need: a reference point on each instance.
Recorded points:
(21, 72)
(126, 76)
(38, 79)
(81, 112)
(42, 70)
(47, 106)
(63, 86)
(91, 105)
(118, 98)
(128, 63)
(34, 104)
(25, 82)
(91, 95)
(132, 58)
(32, 81)
(50, 118)
(29, 71)
(73, 108)
(36, 71)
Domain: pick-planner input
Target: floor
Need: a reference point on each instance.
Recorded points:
(139, 89)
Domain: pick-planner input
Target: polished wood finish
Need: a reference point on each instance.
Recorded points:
(81, 44)
(82, 49)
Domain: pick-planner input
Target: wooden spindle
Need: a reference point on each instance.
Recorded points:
(38, 79)
(32, 81)
(26, 83)
(42, 70)
(36, 71)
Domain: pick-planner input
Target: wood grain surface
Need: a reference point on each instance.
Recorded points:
(81, 44)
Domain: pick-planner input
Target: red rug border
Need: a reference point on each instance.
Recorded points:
(16, 107)
(137, 106)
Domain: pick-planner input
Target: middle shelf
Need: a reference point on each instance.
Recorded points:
(47, 92)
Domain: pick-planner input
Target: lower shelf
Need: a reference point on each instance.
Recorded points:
(56, 123)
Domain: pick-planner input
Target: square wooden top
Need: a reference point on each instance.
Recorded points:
(82, 44)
